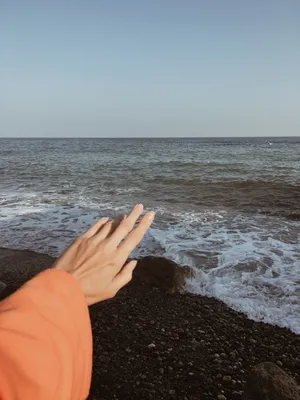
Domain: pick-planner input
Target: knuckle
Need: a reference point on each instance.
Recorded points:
(144, 225)
(115, 261)
(127, 224)
(81, 240)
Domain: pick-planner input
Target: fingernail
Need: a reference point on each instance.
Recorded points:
(133, 264)
(124, 217)
(138, 206)
(151, 215)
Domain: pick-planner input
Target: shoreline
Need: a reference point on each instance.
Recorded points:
(202, 348)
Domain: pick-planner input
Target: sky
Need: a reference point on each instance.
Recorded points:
(140, 68)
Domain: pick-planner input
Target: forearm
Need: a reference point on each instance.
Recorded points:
(45, 340)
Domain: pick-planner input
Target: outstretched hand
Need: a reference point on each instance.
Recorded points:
(96, 258)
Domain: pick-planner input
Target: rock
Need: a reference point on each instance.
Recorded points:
(164, 273)
(2, 286)
(267, 381)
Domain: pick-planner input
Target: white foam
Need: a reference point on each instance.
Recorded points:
(256, 272)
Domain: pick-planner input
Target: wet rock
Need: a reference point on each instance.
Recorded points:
(267, 381)
(161, 272)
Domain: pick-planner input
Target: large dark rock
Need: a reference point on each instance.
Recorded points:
(2, 287)
(164, 273)
(17, 267)
(267, 381)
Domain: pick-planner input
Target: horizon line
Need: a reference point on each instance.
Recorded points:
(145, 137)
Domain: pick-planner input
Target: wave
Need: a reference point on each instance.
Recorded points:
(183, 164)
(251, 262)
(254, 196)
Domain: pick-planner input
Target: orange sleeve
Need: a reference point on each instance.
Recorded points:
(45, 340)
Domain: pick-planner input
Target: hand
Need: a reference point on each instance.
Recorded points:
(96, 258)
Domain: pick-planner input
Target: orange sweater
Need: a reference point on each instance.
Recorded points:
(45, 340)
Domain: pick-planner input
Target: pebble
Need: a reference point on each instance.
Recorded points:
(221, 397)
(279, 363)
(161, 370)
(226, 378)
(171, 391)
(151, 346)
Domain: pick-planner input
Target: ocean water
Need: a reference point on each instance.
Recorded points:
(230, 208)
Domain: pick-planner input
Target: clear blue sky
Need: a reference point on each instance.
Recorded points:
(149, 68)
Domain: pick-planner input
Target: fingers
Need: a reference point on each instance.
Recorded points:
(135, 237)
(108, 229)
(117, 220)
(126, 225)
(103, 233)
(94, 229)
(124, 276)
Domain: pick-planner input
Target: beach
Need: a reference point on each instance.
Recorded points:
(150, 343)
(227, 207)
(227, 219)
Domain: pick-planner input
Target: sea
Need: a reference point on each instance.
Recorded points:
(228, 207)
